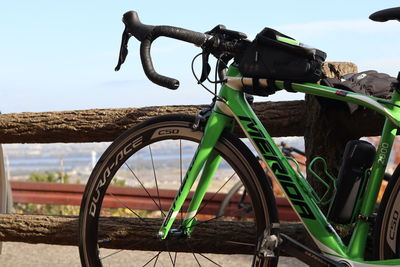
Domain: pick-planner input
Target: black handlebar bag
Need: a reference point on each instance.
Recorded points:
(273, 55)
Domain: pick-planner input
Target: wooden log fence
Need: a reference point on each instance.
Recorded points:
(284, 118)
(63, 230)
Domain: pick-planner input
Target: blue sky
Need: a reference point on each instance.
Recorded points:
(60, 55)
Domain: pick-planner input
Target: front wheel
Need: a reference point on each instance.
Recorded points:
(134, 183)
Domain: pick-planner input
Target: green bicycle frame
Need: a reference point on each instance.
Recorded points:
(232, 106)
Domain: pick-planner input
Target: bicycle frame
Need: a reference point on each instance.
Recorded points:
(233, 106)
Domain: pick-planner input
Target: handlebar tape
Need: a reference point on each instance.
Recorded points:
(146, 34)
(167, 31)
(135, 27)
(386, 14)
(151, 72)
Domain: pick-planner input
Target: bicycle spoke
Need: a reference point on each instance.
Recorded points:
(119, 251)
(155, 262)
(215, 218)
(144, 188)
(156, 256)
(194, 255)
(155, 179)
(201, 255)
(176, 255)
(212, 197)
(240, 243)
(169, 253)
(112, 254)
(170, 257)
(135, 213)
(209, 259)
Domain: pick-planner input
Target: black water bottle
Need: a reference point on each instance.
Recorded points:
(358, 157)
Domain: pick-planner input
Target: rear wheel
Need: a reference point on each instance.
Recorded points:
(119, 225)
(387, 232)
(234, 201)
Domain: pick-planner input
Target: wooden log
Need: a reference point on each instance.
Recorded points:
(63, 230)
(285, 118)
(98, 125)
(338, 69)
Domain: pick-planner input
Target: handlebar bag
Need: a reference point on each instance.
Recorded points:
(273, 55)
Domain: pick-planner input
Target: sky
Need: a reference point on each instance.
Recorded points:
(60, 55)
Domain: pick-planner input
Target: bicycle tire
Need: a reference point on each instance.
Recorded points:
(175, 127)
(387, 227)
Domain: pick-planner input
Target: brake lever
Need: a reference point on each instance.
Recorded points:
(224, 62)
(123, 52)
(205, 70)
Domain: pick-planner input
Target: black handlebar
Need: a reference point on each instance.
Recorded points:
(386, 14)
(196, 38)
(146, 34)
(218, 41)
(135, 27)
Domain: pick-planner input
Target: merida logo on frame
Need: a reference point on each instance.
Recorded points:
(277, 167)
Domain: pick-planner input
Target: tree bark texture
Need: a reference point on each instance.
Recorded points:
(330, 125)
(97, 125)
(285, 118)
(62, 230)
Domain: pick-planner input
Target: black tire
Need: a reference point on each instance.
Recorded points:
(387, 228)
(170, 128)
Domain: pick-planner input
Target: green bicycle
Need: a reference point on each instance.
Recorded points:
(208, 156)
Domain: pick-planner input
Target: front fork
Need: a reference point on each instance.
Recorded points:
(206, 157)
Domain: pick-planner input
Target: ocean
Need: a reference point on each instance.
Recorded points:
(78, 159)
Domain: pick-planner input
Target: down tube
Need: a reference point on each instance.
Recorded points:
(295, 190)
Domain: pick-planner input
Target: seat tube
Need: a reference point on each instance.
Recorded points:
(358, 241)
(204, 153)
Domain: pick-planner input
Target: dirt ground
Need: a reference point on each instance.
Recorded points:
(22, 254)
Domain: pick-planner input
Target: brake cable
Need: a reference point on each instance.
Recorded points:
(200, 82)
